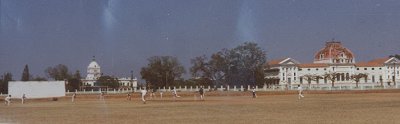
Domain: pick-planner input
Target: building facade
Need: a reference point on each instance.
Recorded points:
(333, 59)
(94, 73)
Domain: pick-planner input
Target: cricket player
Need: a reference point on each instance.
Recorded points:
(174, 94)
(128, 97)
(254, 93)
(73, 97)
(143, 91)
(201, 91)
(161, 94)
(23, 98)
(7, 100)
(153, 93)
(101, 95)
(300, 90)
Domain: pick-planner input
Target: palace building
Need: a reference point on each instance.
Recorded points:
(94, 73)
(333, 59)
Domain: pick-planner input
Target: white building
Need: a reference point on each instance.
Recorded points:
(333, 58)
(94, 73)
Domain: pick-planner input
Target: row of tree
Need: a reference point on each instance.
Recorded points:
(333, 76)
(242, 65)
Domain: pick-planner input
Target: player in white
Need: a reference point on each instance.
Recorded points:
(73, 97)
(7, 100)
(300, 90)
(144, 91)
(254, 93)
(161, 94)
(23, 98)
(174, 94)
(101, 95)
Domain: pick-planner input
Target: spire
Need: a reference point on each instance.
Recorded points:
(94, 58)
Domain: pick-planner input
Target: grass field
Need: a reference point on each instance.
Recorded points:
(358, 108)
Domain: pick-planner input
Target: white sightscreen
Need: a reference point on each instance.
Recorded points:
(36, 89)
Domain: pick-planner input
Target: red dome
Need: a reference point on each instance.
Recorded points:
(334, 52)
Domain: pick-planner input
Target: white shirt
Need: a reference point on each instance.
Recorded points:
(174, 91)
(300, 88)
(143, 92)
(7, 98)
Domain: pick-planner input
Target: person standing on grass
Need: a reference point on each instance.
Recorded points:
(153, 93)
(23, 98)
(73, 97)
(174, 94)
(300, 90)
(101, 95)
(143, 91)
(128, 96)
(161, 94)
(7, 100)
(254, 93)
(201, 91)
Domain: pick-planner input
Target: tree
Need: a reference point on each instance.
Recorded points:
(242, 65)
(309, 78)
(396, 55)
(58, 72)
(357, 77)
(74, 82)
(4, 82)
(332, 76)
(162, 71)
(201, 71)
(108, 81)
(25, 74)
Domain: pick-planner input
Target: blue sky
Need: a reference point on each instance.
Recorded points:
(122, 34)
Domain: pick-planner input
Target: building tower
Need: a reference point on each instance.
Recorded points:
(93, 72)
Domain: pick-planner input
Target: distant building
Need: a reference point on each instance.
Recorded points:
(333, 58)
(94, 73)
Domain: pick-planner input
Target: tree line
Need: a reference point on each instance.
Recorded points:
(242, 65)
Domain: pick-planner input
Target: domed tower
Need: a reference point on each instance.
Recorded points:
(334, 53)
(93, 70)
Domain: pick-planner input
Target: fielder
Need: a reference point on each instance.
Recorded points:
(201, 91)
(174, 94)
(23, 98)
(129, 97)
(161, 94)
(101, 95)
(254, 93)
(73, 97)
(300, 89)
(7, 100)
(143, 95)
